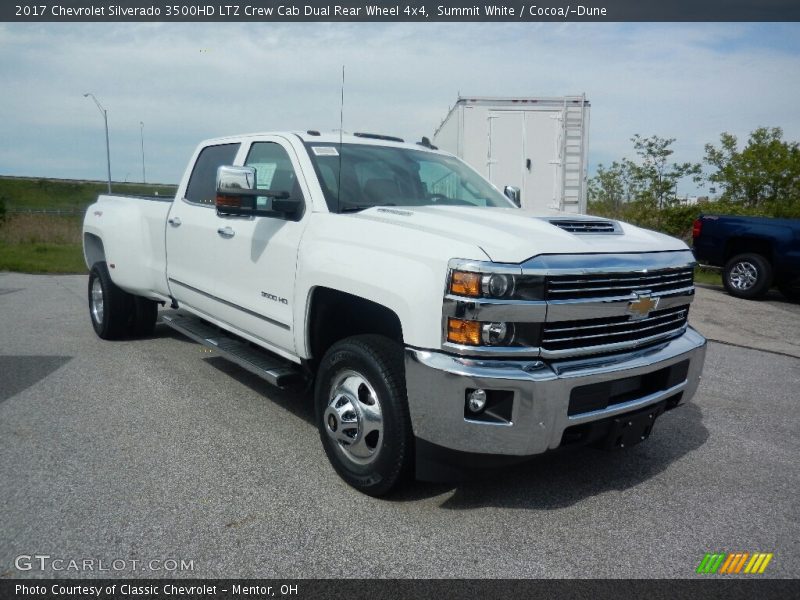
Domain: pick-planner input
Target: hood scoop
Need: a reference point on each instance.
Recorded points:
(580, 226)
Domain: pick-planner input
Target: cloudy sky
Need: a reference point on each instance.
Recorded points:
(188, 82)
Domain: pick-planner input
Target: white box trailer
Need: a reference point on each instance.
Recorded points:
(538, 144)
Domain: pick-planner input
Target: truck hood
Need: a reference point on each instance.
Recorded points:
(509, 235)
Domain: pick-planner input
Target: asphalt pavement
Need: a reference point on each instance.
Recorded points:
(158, 450)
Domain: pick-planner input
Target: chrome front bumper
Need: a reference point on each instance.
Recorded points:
(437, 385)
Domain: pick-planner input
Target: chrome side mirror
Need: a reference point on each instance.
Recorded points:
(513, 194)
(237, 193)
(232, 180)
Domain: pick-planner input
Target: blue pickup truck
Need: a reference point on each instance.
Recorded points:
(754, 253)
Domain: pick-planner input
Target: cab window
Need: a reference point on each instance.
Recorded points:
(274, 171)
(202, 186)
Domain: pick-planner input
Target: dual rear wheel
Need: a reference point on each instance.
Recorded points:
(115, 313)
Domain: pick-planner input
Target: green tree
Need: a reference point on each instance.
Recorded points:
(2, 209)
(610, 187)
(656, 176)
(765, 174)
(650, 180)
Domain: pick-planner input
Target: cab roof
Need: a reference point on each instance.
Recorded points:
(332, 137)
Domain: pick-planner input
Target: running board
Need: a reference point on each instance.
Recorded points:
(275, 370)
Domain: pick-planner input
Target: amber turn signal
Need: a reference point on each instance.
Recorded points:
(463, 332)
(223, 201)
(463, 283)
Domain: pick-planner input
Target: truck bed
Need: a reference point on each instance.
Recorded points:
(126, 222)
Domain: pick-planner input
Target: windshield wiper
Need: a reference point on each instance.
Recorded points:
(354, 208)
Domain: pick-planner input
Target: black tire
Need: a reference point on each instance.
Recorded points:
(791, 290)
(356, 375)
(747, 275)
(145, 314)
(112, 311)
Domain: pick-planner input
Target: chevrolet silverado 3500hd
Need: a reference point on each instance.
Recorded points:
(442, 327)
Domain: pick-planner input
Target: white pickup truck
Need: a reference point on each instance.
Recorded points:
(443, 328)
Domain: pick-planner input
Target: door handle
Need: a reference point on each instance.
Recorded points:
(174, 221)
(528, 164)
(226, 232)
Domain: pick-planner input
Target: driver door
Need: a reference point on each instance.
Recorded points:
(256, 257)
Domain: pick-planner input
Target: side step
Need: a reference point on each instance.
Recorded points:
(277, 371)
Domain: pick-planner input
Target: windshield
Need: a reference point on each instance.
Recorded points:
(388, 176)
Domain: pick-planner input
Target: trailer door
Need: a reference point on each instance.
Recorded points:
(542, 159)
(506, 147)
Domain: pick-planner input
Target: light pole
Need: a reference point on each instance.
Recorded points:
(141, 130)
(104, 112)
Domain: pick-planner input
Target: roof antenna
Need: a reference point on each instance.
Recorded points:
(341, 126)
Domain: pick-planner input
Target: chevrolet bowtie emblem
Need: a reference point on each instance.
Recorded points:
(642, 306)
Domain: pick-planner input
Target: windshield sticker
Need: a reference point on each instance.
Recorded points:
(264, 174)
(325, 151)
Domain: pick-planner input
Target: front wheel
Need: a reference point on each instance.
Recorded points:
(362, 413)
(747, 276)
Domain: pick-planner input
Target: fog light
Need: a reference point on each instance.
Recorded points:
(476, 400)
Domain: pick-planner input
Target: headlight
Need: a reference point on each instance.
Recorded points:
(471, 284)
(492, 306)
(497, 285)
(476, 285)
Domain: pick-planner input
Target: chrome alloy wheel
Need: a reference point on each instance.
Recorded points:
(743, 275)
(353, 418)
(97, 301)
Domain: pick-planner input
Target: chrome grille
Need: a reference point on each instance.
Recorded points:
(573, 337)
(607, 285)
(581, 226)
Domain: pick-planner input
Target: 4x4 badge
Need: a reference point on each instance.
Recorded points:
(642, 306)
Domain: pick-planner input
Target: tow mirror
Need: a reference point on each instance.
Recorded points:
(513, 194)
(238, 194)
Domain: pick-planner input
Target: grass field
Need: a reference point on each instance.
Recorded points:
(708, 276)
(41, 244)
(50, 243)
(58, 194)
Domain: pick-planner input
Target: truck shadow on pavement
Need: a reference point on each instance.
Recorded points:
(163, 331)
(567, 476)
(549, 481)
(299, 402)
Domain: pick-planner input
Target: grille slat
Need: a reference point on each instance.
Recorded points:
(649, 286)
(604, 285)
(626, 278)
(666, 314)
(610, 334)
(590, 333)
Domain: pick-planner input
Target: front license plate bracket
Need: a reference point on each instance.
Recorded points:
(633, 428)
